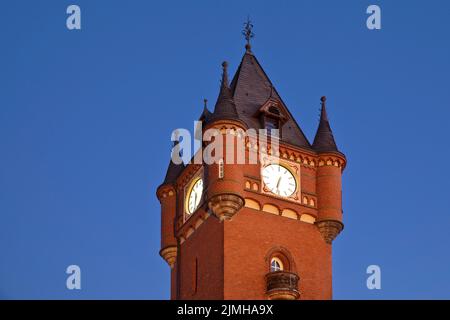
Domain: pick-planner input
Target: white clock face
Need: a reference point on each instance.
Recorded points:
(279, 180)
(194, 196)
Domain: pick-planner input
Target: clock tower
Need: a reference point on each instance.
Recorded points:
(254, 230)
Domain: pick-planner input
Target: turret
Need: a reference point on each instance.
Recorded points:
(167, 196)
(225, 176)
(331, 163)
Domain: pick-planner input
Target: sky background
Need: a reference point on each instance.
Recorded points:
(86, 118)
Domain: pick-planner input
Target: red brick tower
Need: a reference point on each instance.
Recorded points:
(254, 231)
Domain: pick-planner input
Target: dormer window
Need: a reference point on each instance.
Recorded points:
(271, 123)
(272, 116)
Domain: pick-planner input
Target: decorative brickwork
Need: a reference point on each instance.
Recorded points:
(329, 229)
(282, 285)
(230, 257)
(170, 255)
(225, 206)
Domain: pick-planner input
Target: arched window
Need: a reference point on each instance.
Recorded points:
(279, 259)
(276, 265)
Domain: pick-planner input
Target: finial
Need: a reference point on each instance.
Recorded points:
(248, 33)
(205, 103)
(225, 74)
(224, 65)
(323, 111)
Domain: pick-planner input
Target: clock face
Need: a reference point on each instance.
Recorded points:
(279, 180)
(194, 196)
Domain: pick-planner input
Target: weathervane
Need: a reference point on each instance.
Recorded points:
(247, 32)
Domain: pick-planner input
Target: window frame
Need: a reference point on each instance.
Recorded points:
(278, 261)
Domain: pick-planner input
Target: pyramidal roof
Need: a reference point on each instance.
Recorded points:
(225, 107)
(251, 88)
(324, 139)
(173, 171)
(206, 114)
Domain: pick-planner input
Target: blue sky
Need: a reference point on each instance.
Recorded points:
(86, 117)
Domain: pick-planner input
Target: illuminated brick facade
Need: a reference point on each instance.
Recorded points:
(243, 241)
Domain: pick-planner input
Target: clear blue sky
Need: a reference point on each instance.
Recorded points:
(86, 117)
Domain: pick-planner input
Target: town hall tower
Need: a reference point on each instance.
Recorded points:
(254, 231)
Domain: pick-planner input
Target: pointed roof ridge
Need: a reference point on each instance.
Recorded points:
(294, 134)
(225, 108)
(224, 82)
(324, 139)
(206, 114)
(173, 172)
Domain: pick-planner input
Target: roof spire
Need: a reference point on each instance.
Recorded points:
(174, 170)
(251, 88)
(205, 113)
(323, 110)
(225, 91)
(224, 83)
(248, 33)
(225, 107)
(324, 139)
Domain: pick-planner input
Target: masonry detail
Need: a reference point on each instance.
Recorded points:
(254, 231)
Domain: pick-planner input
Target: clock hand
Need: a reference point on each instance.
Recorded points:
(278, 183)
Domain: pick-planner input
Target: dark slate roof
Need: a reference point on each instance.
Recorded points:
(225, 107)
(173, 172)
(324, 140)
(251, 88)
(206, 115)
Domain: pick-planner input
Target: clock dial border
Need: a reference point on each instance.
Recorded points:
(188, 190)
(283, 174)
(293, 168)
